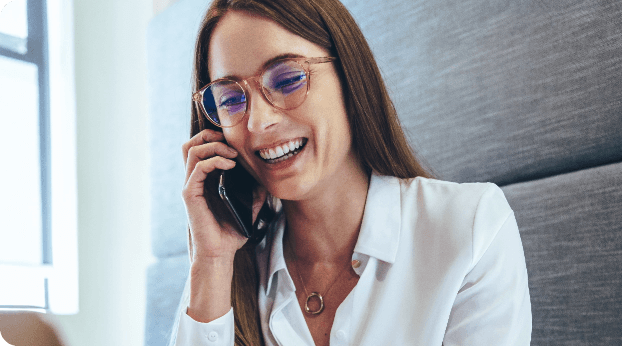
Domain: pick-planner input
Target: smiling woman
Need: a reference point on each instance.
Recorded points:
(290, 92)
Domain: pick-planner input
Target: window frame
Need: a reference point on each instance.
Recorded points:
(54, 56)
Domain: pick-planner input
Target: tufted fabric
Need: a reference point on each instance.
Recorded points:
(170, 40)
(502, 91)
(170, 49)
(166, 280)
(572, 235)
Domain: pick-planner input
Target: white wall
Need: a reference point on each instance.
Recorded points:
(113, 175)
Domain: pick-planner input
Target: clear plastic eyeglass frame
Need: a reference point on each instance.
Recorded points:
(304, 63)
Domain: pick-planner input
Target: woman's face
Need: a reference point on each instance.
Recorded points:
(240, 45)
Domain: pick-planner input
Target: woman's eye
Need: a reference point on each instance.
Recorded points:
(289, 82)
(231, 101)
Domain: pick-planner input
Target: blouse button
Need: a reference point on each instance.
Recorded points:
(212, 336)
(341, 335)
(356, 264)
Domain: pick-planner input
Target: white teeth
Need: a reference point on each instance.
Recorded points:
(281, 150)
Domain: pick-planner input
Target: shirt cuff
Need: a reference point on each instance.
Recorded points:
(219, 332)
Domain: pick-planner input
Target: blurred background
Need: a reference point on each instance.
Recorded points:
(111, 152)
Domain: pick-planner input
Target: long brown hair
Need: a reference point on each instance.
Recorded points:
(378, 138)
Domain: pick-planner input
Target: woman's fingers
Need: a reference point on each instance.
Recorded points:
(205, 151)
(204, 154)
(194, 185)
(205, 136)
(192, 193)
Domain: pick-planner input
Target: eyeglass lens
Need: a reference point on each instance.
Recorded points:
(284, 84)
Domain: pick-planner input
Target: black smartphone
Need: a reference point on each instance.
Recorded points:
(235, 188)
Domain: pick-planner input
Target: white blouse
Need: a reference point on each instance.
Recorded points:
(441, 263)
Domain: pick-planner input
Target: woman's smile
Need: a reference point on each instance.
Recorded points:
(282, 152)
(285, 159)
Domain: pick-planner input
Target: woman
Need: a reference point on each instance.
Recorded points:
(365, 250)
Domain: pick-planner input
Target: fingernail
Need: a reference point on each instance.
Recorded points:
(232, 151)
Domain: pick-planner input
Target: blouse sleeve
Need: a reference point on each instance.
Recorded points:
(219, 332)
(492, 306)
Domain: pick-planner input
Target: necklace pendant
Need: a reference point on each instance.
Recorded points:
(318, 296)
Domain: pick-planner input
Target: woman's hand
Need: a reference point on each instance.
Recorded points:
(213, 240)
(205, 154)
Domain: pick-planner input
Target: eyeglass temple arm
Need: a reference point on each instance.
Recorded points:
(321, 60)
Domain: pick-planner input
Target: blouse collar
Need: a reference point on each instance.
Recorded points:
(379, 235)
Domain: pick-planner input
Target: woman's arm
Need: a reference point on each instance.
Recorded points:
(493, 305)
(208, 318)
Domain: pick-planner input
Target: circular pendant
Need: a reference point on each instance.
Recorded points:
(318, 296)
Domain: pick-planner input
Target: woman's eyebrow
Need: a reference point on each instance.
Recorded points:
(279, 57)
(268, 63)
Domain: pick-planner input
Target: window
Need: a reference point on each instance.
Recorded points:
(38, 207)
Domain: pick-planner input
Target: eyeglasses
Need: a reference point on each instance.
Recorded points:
(284, 84)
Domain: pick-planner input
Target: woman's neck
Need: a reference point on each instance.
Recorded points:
(325, 227)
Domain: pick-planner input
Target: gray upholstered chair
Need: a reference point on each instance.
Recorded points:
(525, 94)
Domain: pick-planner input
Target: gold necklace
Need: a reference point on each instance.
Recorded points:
(313, 294)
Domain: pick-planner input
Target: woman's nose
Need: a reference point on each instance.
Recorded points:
(261, 114)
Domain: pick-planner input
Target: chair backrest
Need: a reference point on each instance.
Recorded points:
(525, 94)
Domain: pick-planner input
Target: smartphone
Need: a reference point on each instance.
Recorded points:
(235, 188)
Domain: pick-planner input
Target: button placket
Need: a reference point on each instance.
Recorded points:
(342, 322)
(212, 336)
(341, 336)
(358, 263)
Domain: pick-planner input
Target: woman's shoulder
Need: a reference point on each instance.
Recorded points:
(446, 195)
(457, 211)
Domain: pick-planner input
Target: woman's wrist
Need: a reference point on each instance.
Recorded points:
(203, 263)
(210, 289)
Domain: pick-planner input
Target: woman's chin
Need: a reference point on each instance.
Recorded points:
(286, 195)
(289, 190)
